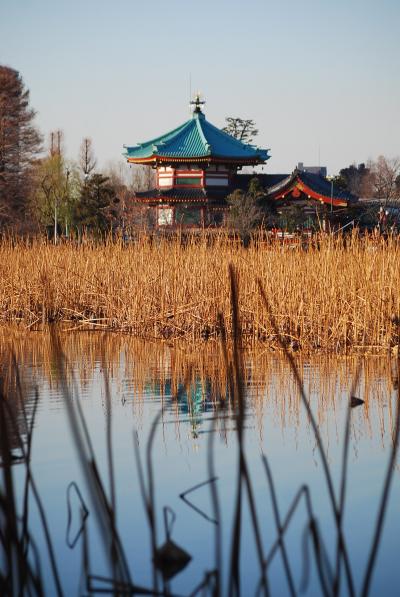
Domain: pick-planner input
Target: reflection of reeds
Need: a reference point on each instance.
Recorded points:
(151, 367)
(228, 392)
(338, 295)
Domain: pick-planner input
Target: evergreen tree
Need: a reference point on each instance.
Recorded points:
(244, 130)
(96, 208)
(20, 143)
(356, 179)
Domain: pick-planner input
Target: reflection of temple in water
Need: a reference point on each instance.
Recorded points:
(191, 400)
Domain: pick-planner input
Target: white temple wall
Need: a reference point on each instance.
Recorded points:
(165, 176)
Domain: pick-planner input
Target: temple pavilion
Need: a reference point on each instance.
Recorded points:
(196, 165)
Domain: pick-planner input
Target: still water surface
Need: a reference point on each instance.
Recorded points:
(185, 385)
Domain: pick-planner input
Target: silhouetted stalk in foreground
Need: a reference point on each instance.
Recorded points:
(243, 473)
(11, 513)
(102, 508)
(385, 494)
(278, 525)
(342, 495)
(325, 466)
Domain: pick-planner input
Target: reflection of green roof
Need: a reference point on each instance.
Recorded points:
(196, 138)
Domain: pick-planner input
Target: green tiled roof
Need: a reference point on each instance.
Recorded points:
(197, 138)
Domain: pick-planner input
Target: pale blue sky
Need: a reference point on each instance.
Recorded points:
(316, 76)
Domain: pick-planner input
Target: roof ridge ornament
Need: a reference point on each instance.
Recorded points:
(197, 103)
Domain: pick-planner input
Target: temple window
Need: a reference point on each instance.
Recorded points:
(188, 178)
(193, 181)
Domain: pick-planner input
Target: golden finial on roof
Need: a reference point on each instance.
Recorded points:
(197, 103)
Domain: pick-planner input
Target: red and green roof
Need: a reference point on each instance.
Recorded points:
(196, 140)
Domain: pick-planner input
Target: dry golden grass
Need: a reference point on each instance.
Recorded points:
(337, 296)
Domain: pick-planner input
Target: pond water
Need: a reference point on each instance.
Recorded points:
(124, 386)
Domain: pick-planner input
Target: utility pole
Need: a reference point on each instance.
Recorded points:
(55, 220)
(56, 151)
(66, 199)
(330, 178)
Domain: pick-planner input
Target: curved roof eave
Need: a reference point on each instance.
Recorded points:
(249, 160)
(317, 184)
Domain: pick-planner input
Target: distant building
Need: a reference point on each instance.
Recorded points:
(305, 185)
(321, 170)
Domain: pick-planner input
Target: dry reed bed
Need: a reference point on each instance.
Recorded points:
(338, 295)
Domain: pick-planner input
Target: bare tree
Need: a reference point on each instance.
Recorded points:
(57, 186)
(87, 160)
(143, 178)
(130, 216)
(56, 146)
(386, 178)
(118, 172)
(148, 178)
(244, 214)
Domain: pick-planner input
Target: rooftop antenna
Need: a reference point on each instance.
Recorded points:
(190, 90)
